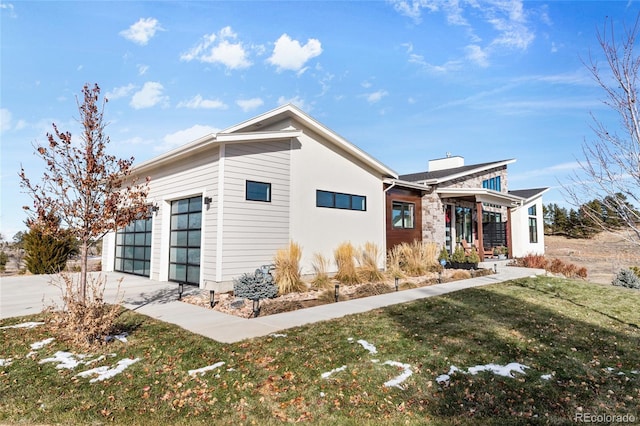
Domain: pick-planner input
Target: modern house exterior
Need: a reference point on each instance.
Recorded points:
(222, 205)
(466, 203)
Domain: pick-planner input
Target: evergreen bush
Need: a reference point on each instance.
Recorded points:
(627, 278)
(256, 286)
(47, 253)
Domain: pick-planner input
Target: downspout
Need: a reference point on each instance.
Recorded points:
(384, 222)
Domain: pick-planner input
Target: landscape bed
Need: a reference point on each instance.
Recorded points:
(536, 350)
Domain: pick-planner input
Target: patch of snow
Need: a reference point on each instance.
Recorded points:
(443, 379)
(121, 337)
(621, 374)
(203, 370)
(634, 372)
(64, 359)
(41, 344)
(105, 372)
(546, 376)
(277, 335)
(406, 373)
(5, 361)
(31, 354)
(500, 370)
(368, 346)
(322, 394)
(610, 369)
(335, 370)
(23, 325)
(349, 339)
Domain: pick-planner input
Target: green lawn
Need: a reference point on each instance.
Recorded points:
(585, 336)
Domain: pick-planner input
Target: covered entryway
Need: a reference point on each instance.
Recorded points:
(470, 210)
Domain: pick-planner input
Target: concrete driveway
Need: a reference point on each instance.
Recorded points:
(26, 295)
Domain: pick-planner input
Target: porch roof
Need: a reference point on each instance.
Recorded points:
(481, 195)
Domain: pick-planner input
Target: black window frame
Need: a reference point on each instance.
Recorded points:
(404, 208)
(133, 247)
(356, 202)
(533, 224)
(247, 192)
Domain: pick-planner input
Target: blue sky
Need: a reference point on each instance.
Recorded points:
(406, 81)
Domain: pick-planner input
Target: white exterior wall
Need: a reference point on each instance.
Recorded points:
(190, 176)
(520, 230)
(254, 230)
(317, 165)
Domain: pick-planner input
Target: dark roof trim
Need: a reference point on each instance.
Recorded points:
(439, 176)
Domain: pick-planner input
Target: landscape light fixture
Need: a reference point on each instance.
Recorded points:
(212, 296)
(180, 290)
(495, 268)
(337, 291)
(396, 283)
(256, 308)
(439, 277)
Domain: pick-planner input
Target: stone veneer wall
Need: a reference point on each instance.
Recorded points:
(432, 206)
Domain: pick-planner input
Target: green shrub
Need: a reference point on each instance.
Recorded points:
(636, 270)
(444, 255)
(458, 255)
(47, 253)
(3, 260)
(626, 278)
(473, 257)
(259, 285)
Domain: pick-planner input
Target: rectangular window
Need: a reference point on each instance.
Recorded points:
(533, 230)
(133, 248)
(533, 224)
(338, 200)
(492, 184)
(258, 191)
(402, 215)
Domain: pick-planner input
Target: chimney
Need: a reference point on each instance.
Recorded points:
(449, 162)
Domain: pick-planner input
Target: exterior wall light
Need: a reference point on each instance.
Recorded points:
(208, 201)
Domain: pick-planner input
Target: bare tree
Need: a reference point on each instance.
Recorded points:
(612, 158)
(88, 190)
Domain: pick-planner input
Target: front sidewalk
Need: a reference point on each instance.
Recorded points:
(23, 296)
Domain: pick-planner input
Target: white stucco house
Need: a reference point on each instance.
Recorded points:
(222, 205)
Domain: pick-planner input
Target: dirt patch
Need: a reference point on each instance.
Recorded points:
(603, 255)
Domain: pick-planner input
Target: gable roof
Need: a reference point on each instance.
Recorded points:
(528, 194)
(291, 111)
(438, 176)
(249, 131)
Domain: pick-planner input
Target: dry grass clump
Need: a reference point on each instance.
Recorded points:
(320, 266)
(555, 266)
(368, 258)
(460, 274)
(372, 289)
(83, 323)
(287, 269)
(413, 259)
(345, 260)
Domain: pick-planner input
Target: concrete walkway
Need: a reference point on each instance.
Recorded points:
(25, 295)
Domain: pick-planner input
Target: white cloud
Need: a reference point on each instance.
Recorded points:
(375, 96)
(7, 123)
(222, 48)
(297, 101)
(150, 95)
(477, 55)
(8, 7)
(198, 102)
(142, 31)
(185, 136)
(120, 92)
(5, 120)
(249, 104)
(142, 69)
(413, 9)
(289, 54)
